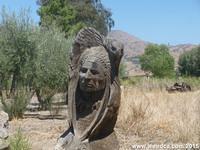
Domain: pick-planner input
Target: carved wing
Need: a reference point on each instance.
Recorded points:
(86, 38)
(116, 51)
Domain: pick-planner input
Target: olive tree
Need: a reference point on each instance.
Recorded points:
(51, 72)
(17, 50)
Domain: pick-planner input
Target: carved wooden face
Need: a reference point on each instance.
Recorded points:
(91, 77)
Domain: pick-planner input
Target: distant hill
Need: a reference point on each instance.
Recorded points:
(134, 47)
(177, 50)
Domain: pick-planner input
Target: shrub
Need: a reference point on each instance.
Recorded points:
(16, 107)
(19, 142)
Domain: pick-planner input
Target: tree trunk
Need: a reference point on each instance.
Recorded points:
(37, 91)
(13, 85)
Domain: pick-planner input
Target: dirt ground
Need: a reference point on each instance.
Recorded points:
(42, 134)
(155, 117)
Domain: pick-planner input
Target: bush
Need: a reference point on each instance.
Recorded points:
(16, 107)
(19, 142)
(158, 60)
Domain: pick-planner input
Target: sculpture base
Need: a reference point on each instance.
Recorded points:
(108, 143)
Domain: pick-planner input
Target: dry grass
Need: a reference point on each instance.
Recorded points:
(145, 117)
(158, 117)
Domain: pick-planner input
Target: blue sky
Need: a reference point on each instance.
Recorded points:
(158, 21)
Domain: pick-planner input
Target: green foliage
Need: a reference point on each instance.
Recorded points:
(157, 60)
(19, 142)
(32, 58)
(189, 62)
(17, 58)
(52, 59)
(17, 50)
(51, 72)
(16, 107)
(72, 15)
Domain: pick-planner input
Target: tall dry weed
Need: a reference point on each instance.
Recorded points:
(158, 117)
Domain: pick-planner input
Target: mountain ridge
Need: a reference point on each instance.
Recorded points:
(134, 47)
